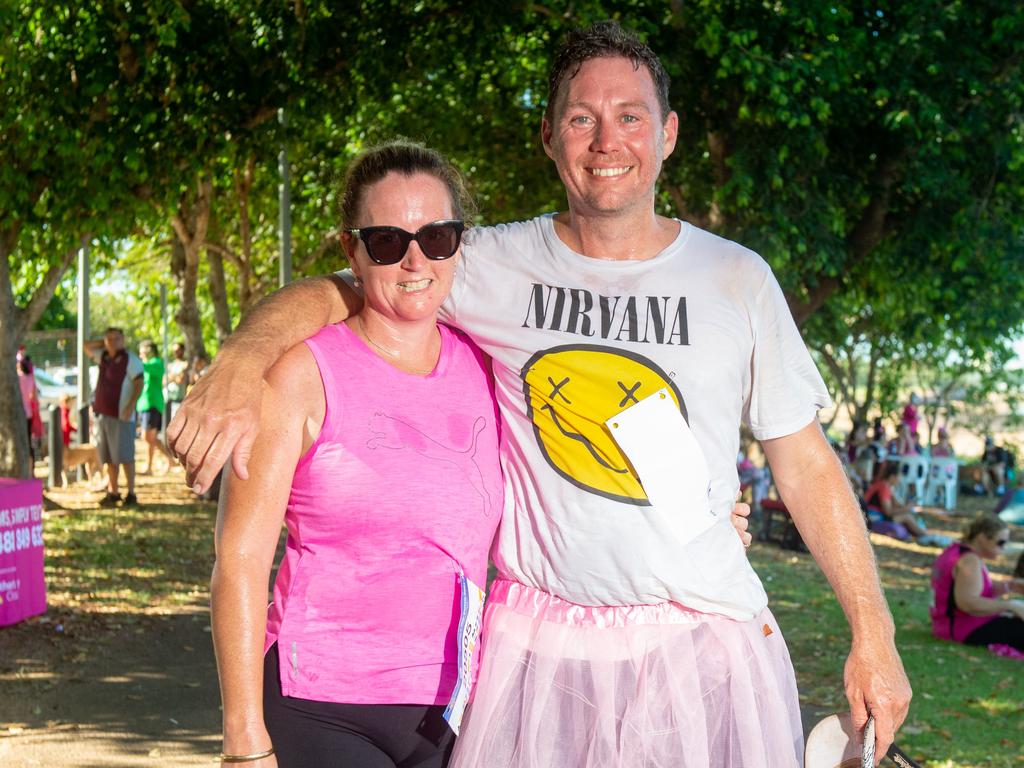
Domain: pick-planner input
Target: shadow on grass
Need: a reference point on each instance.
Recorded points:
(128, 686)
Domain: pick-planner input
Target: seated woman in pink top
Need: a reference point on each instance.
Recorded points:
(967, 605)
(378, 450)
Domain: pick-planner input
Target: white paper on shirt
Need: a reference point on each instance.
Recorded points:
(668, 461)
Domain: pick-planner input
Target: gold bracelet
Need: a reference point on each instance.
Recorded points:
(245, 758)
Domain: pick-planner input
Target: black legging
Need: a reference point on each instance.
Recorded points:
(1004, 630)
(321, 734)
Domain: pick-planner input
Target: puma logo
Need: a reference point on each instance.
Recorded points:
(395, 434)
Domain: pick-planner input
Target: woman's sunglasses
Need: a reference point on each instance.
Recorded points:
(1002, 542)
(438, 240)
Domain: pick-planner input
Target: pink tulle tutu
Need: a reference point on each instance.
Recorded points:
(646, 686)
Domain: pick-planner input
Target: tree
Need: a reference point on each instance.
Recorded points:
(70, 83)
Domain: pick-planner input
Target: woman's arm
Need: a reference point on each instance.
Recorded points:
(967, 585)
(249, 522)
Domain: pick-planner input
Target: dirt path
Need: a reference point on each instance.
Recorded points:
(87, 686)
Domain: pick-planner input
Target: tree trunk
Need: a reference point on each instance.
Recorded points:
(42, 295)
(243, 186)
(14, 456)
(219, 296)
(190, 225)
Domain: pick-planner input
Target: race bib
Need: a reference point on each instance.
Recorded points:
(669, 463)
(472, 609)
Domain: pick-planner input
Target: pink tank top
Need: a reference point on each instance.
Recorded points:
(948, 621)
(400, 491)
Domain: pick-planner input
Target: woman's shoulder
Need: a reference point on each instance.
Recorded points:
(295, 375)
(969, 562)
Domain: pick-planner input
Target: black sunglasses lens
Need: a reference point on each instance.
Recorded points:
(385, 246)
(1002, 542)
(439, 241)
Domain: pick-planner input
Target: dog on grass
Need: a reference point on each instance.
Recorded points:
(80, 455)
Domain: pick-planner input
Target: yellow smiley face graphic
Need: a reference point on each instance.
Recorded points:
(570, 392)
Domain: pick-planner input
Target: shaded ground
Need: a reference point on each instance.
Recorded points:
(120, 670)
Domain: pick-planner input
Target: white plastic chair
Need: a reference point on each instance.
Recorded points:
(913, 472)
(943, 481)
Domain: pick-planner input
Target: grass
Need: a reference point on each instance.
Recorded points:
(968, 703)
(151, 560)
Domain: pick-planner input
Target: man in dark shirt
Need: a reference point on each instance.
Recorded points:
(117, 390)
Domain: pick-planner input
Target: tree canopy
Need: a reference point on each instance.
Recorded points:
(872, 153)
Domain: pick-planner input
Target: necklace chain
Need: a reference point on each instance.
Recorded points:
(390, 352)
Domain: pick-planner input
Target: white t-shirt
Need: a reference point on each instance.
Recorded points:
(575, 341)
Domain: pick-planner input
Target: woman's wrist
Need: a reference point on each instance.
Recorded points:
(246, 741)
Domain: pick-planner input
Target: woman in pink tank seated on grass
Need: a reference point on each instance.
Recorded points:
(967, 606)
(378, 450)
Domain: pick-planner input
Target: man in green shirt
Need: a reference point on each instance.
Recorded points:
(151, 403)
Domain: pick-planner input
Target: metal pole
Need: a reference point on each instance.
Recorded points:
(163, 356)
(55, 445)
(285, 205)
(83, 358)
(83, 334)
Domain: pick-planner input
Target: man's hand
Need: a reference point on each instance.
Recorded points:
(740, 521)
(126, 414)
(876, 683)
(219, 418)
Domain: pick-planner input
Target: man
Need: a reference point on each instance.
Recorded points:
(117, 390)
(993, 472)
(587, 313)
(151, 404)
(177, 379)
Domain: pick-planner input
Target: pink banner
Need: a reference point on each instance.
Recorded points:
(22, 581)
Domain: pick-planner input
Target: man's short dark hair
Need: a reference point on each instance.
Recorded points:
(605, 39)
(113, 329)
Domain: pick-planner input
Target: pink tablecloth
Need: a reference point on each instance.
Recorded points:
(22, 582)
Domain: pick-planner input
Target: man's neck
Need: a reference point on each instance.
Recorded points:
(616, 238)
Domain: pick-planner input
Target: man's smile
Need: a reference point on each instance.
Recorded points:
(604, 172)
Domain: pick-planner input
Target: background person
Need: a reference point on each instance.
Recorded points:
(67, 425)
(884, 508)
(118, 387)
(903, 444)
(177, 379)
(151, 404)
(379, 449)
(943, 448)
(993, 472)
(910, 415)
(968, 607)
(29, 391)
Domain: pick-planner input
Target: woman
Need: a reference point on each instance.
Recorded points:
(943, 448)
(151, 404)
(967, 606)
(29, 399)
(884, 510)
(379, 450)
(903, 444)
